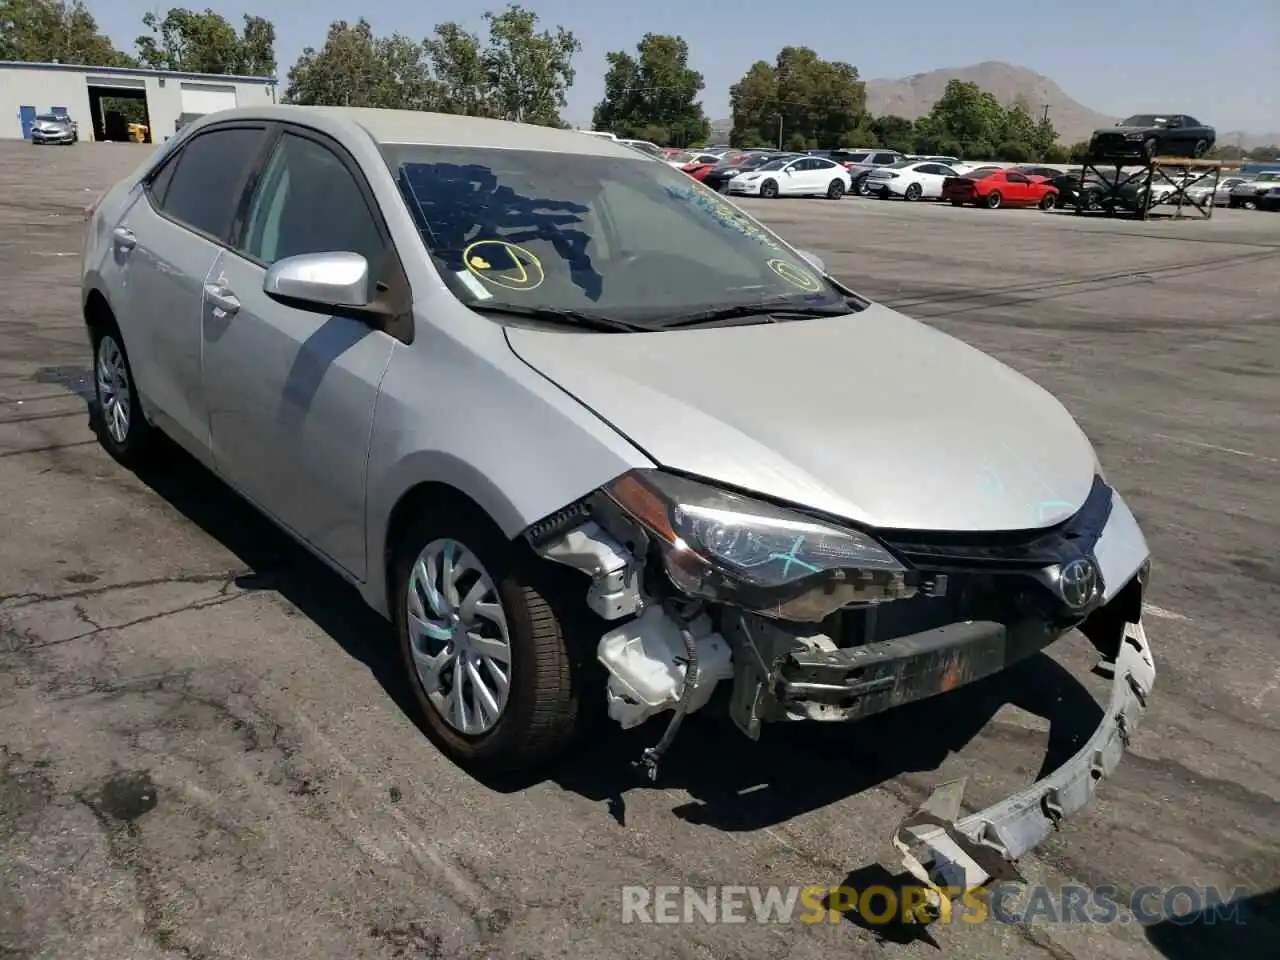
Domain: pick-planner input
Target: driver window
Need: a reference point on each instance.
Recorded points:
(1016, 178)
(309, 202)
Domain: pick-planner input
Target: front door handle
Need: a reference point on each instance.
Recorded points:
(224, 301)
(124, 238)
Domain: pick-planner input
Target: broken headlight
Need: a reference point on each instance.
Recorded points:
(732, 549)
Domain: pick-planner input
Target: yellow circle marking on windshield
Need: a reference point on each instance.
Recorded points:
(795, 276)
(504, 264)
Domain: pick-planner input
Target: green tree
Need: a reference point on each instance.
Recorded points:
(461, 77)
(357, 69)
(1078, 151)
(529, 73)
(205, 42)
(894, 133)
(1271, 152)
(801, 99)
(55, 31)
(753, 101)
(965, 115)
(1056, 153)
(653, 95)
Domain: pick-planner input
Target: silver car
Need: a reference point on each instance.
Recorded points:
(592, 437)
(54, 128)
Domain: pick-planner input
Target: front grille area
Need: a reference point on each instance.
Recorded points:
(1007, 550)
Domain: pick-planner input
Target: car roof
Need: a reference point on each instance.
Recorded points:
(417, 127)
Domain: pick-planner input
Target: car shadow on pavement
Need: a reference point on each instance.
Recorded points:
(1245, 928)
(277, 563)
(734, 784)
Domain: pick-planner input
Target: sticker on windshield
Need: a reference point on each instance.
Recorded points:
(796, 276)
(504, 264)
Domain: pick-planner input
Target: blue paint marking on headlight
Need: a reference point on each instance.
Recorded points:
(724, 546)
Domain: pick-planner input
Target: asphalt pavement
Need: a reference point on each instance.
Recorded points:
(206, 749)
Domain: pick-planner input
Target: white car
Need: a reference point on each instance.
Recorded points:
(644, 146)
(794, 177)
(909, 179)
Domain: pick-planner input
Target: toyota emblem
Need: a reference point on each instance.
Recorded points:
(1078, 582)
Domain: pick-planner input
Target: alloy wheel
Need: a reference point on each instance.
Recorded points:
(113, 388)
(459, 637)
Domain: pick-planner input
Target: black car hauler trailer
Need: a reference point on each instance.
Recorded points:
(1128, 194)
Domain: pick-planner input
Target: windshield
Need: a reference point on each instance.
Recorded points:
(775, 164)
(50, 118)
(624, 239)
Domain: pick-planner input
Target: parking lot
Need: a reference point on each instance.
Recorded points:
(205, 743)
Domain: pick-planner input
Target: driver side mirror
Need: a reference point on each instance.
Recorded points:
(814, 260)
(336, 283)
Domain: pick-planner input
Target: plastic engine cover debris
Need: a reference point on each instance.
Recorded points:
(647, 660)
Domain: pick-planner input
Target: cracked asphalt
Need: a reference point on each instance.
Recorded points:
(205, 750)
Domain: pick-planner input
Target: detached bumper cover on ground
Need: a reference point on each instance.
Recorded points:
(941, 851)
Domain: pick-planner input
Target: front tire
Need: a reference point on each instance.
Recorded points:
(769, 189)
(1048, 201)
(1200, 149)
(835, 190)
(484, 649)
(121, 427)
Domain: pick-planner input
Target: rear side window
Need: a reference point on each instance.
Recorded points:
(202, 185)
(886, 157)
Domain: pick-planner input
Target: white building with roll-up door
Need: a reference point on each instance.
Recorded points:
(103, 101)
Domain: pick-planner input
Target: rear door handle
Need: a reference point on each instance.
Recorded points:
(224, 301)
(124, 238)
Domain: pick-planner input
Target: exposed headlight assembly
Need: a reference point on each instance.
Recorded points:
(732, 549)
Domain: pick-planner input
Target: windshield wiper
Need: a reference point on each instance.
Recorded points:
(771, 314)
(576, 318)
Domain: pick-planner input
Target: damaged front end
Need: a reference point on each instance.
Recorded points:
(815, 620)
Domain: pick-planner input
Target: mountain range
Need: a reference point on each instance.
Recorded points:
(914, 96)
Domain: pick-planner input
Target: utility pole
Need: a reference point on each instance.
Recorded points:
(1045, 117)
(779, 131)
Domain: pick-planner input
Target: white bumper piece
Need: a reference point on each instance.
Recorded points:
(942, 852)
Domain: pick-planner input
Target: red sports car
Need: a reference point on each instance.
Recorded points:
(999, 188)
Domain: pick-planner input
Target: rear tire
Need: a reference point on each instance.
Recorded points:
(835, 190)
(1200, 149)
(993, 200)
(540, 716)
(913, 192)
(118, 420)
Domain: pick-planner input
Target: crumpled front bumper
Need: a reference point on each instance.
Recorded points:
(960, 854)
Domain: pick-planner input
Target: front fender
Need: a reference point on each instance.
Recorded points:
(488, 426)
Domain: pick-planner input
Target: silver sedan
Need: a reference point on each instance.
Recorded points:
(592, 437)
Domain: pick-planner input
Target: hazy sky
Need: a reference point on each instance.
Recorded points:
(1220, 64)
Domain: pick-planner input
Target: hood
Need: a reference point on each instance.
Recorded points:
(872, 417)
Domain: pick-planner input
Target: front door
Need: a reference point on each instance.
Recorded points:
(291, 393)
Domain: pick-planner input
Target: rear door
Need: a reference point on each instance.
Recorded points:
(164, 247)
(292, 392)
